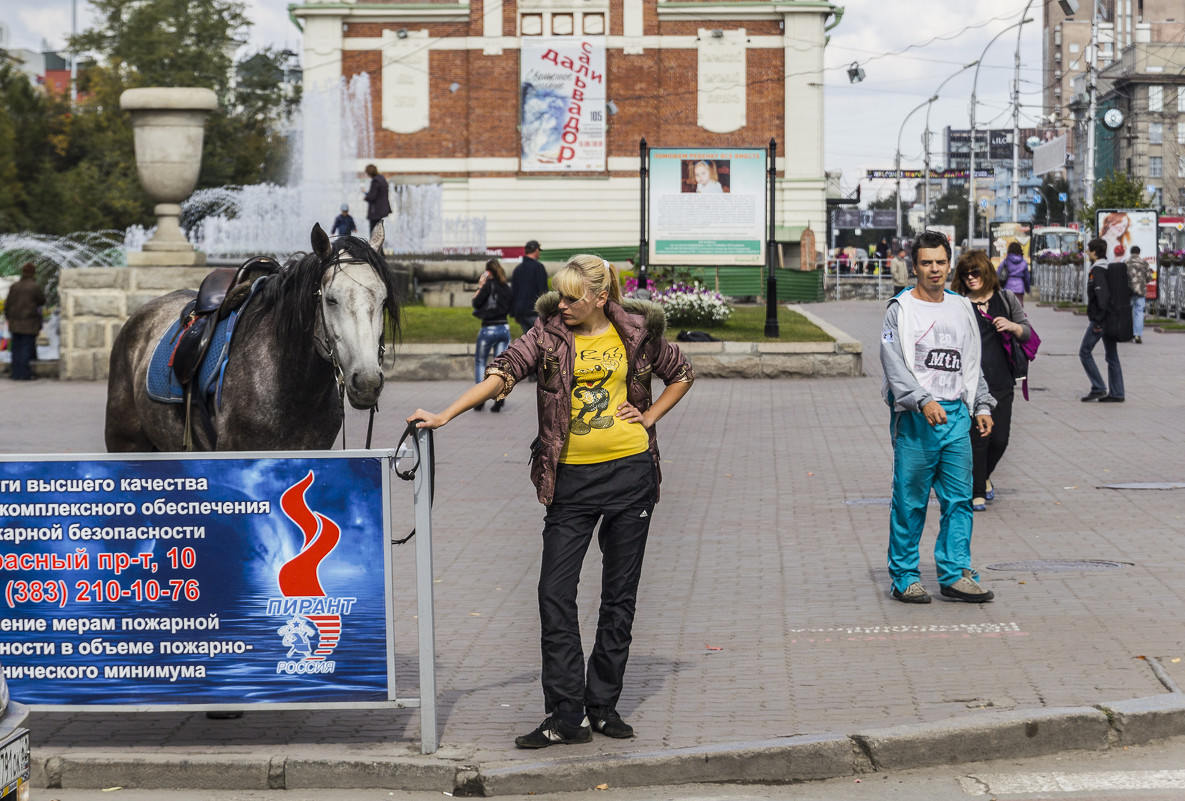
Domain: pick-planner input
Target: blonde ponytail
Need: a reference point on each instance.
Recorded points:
(587, 274)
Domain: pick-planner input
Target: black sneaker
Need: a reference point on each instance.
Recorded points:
(914, 594)
(606, 721)
(554, 731)
(1093, 396)
(967, 589)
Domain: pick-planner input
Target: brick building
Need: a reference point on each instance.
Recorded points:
(448, 82)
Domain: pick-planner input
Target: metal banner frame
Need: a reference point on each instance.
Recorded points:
(422, 493)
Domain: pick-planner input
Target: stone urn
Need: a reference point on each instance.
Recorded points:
(168, 126)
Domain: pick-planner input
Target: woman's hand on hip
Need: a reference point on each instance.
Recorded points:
(629, 413)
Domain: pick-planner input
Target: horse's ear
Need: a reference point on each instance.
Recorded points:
(377, 236)
(320, 241)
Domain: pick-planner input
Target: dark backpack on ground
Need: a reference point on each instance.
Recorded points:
(695, 336)
(1118, 325)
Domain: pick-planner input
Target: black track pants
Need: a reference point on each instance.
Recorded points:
(986, 452)
(620, 494)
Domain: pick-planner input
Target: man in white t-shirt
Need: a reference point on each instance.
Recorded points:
(930, 351)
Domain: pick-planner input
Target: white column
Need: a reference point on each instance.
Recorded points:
(631, 26)
(491, 30)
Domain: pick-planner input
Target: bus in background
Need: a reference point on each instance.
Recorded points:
(1055, 239)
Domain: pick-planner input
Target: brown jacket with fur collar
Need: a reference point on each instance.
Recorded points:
(548, 351)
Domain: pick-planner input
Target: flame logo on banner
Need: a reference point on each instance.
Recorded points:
(298, 576)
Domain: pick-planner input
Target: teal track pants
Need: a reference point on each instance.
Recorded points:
(926, 457)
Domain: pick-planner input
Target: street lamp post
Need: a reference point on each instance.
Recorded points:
(926, 143)
(1016, 122)
(1091, 87)
(971, 163)
(897, 164)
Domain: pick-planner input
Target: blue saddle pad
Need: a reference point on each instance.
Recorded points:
(162, 381)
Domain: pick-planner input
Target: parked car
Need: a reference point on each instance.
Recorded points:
(14, 747)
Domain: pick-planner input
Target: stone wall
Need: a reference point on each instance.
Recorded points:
(97, 301)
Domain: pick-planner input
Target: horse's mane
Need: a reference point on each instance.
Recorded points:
(292, 293)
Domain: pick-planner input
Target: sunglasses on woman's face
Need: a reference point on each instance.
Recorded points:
(974, 275)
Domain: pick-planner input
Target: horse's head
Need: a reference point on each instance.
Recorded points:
(355, 289)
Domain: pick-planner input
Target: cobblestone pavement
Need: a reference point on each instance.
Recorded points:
(764, 607)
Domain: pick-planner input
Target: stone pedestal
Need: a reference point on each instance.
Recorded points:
(97, 301)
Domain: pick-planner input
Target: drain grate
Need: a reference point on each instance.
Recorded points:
(1147, 485)
(1058, 565)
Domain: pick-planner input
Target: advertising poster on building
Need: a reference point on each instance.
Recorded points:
(707, 206)
(195, 581)
(562, 97)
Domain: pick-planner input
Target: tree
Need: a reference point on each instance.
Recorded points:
(1115, 191)
(890, 202)
(951, 209)
(1050, 209)
(165, 42)
(65, 169)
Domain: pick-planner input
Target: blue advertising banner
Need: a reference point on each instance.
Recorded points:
(195, 580)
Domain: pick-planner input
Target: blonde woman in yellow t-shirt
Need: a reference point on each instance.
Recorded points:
(595, 460)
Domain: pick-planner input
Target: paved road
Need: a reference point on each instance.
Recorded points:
(764, 608)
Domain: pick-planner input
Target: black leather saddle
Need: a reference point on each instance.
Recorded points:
(222, 291)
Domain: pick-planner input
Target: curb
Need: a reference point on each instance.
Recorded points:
(981, 737)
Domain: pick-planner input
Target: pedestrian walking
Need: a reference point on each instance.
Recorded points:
(999, 313)
(1098, 308)
(491, 304)
(899, 269)
(1139, 273)
(1014, 274)
(528, 283)
(378, 203)
(22, 307)
(595, 459)
(343, 224)
(882, 253)
(930, 352)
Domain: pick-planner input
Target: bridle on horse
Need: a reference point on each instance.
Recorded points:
(328, 344)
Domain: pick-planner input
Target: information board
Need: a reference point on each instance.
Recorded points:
(208, 580)
(707, 206)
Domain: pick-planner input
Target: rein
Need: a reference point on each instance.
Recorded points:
(329, 344)
(410, 475)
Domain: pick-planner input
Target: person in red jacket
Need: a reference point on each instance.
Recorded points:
(595, 460)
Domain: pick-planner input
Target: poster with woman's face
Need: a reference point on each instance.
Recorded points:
(1123, 229)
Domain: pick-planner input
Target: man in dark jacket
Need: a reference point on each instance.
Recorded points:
(23, 310)
(378, 205)
(528, 282)
(1097, 309)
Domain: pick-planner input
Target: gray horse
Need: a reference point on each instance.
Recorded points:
(314, 330)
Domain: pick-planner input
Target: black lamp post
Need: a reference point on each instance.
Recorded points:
(771, 283)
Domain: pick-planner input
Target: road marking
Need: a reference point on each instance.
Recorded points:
(1006, 783)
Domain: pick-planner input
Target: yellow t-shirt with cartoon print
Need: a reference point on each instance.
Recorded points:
(596, 434)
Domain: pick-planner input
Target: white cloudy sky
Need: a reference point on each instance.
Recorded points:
(907, 48)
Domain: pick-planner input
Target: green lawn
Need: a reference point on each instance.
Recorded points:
(422, 324)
